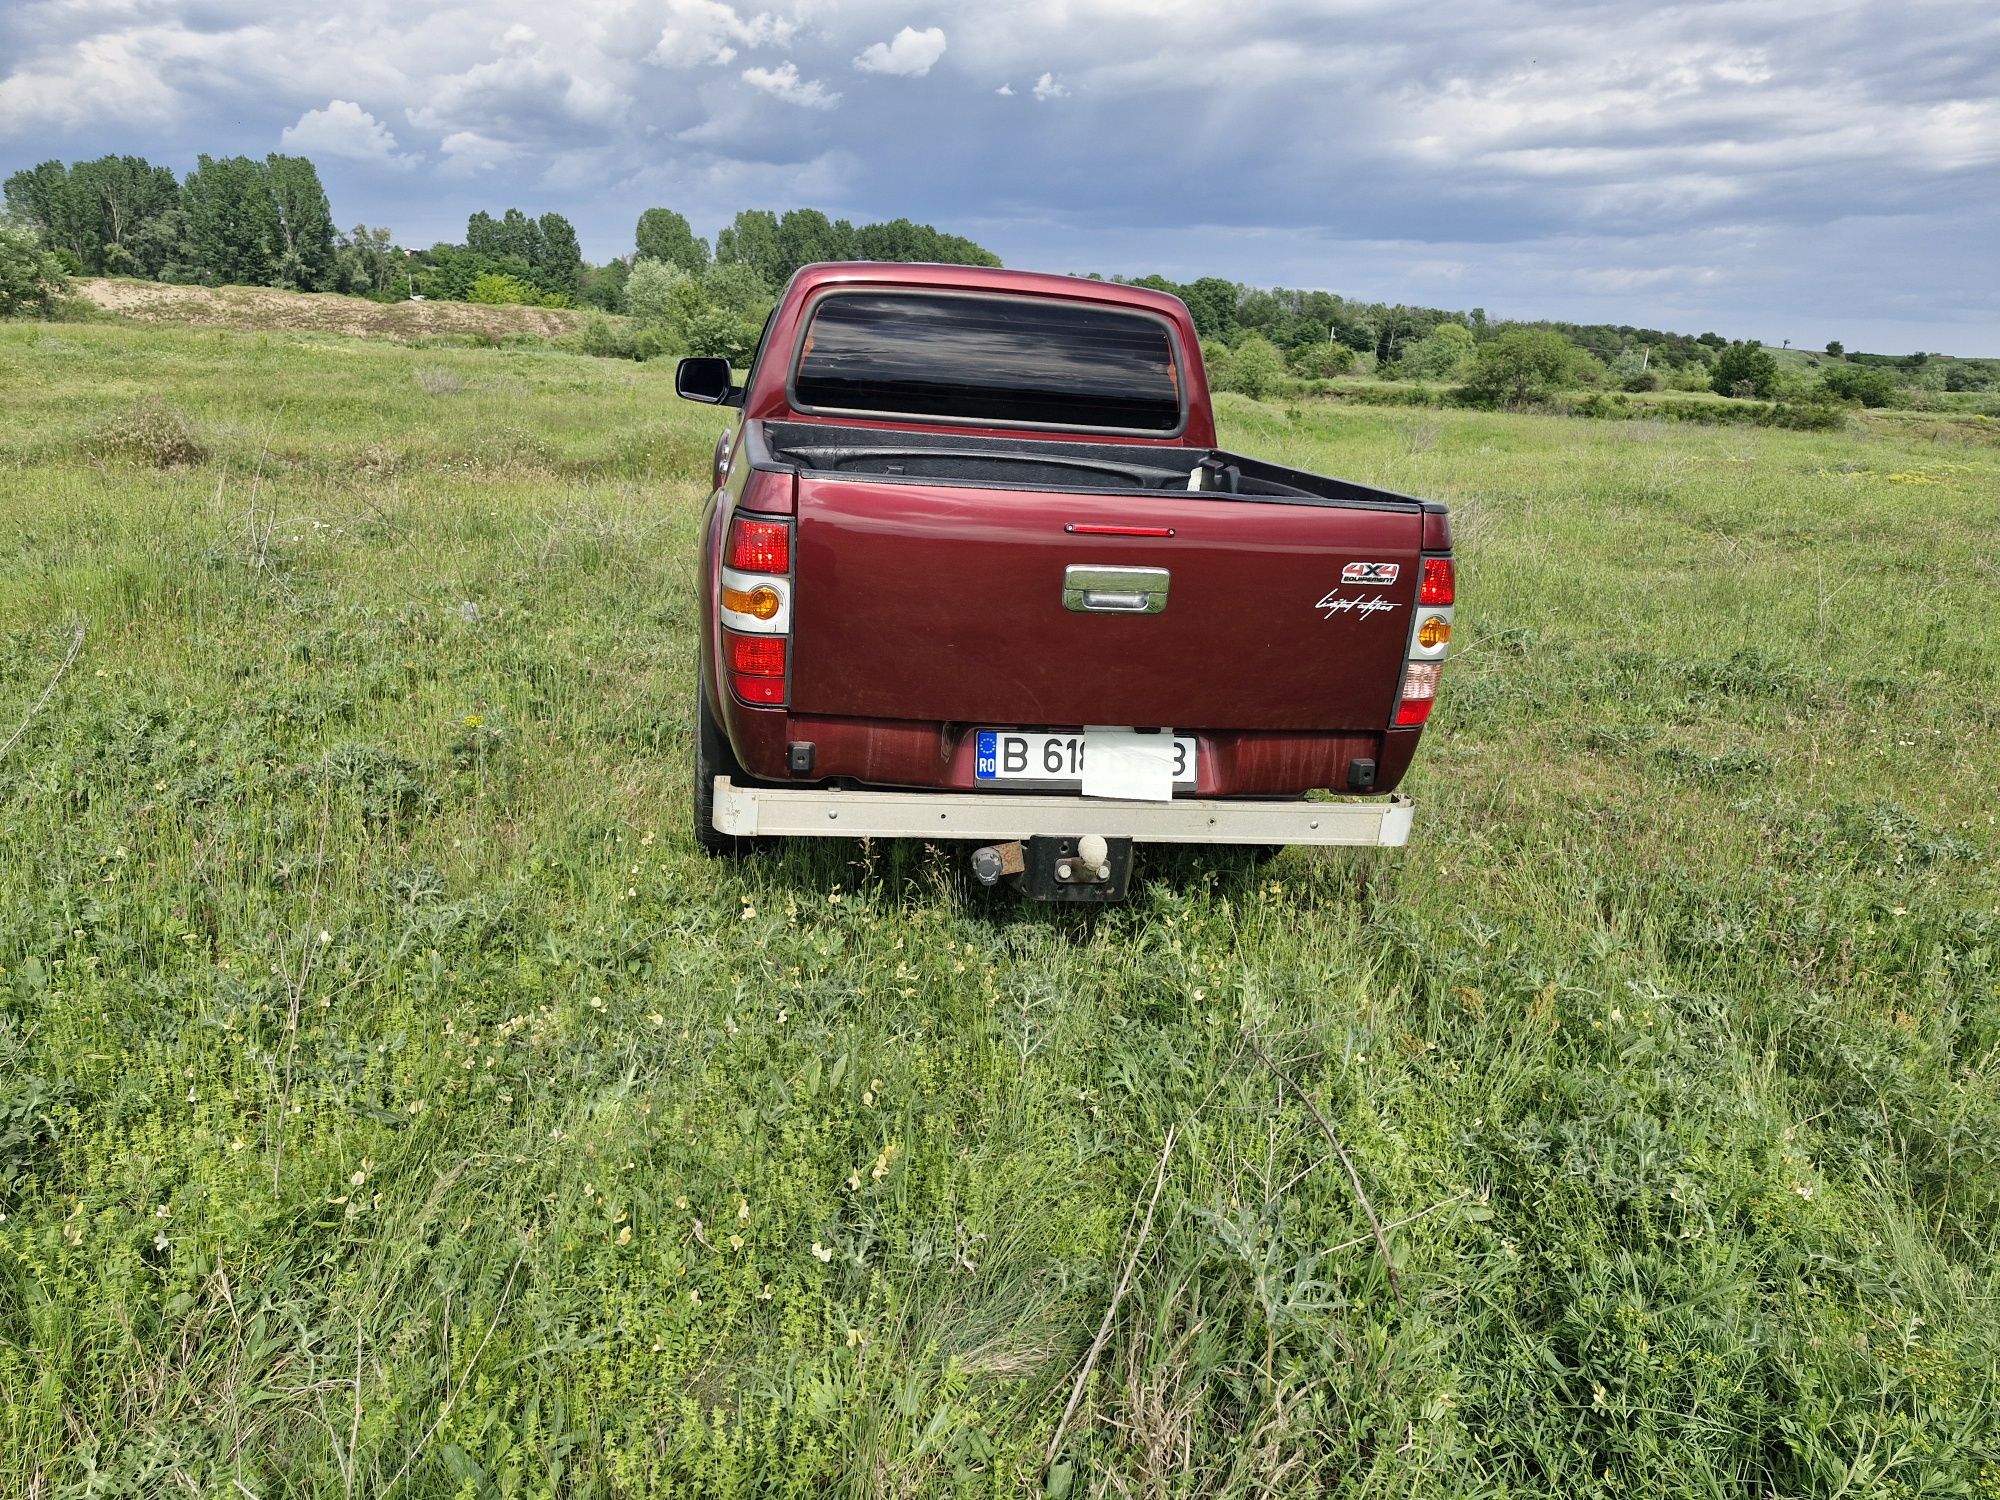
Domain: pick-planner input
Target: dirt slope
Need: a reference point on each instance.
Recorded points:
(316, 312)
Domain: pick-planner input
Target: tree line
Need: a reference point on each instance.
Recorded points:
(234, 219)
(240, 220)
(1256, 338)
(684, 297)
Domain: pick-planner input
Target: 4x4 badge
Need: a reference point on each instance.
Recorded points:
(1370, 572)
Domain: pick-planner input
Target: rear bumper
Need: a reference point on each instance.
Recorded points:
(920, 755)
(825, 812)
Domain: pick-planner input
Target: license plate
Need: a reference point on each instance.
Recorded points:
(1055, 759)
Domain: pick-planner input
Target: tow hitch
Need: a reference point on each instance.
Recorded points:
(1090, 868)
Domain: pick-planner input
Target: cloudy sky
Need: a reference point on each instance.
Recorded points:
(1764, 168)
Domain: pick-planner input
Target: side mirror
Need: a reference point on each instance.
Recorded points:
(706, 380)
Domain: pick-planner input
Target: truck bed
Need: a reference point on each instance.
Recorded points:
(1033, 462)
(932, 570)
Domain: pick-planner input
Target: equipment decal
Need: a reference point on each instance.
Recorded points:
(1370, 572)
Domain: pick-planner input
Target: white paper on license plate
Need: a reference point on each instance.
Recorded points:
(1126, 764)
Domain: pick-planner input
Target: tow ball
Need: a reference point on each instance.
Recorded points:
(1089, 868)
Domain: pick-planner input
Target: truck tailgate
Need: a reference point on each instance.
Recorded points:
(946, 603)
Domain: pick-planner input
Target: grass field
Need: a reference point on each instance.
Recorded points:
(392, 1102)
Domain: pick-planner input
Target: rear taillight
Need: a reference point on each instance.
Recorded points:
(759, 546)
(756, 666)
(758, 655)
(754, 602)
(1420, 686)
(1430, 635)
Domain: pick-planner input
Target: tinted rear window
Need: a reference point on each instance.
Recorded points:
(990, 359)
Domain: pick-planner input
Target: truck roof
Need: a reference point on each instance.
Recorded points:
(982, 278)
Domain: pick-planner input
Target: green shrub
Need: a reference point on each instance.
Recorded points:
(1633, 371)
(1745, 369)
(603, 338)
(1394, 395)
(1253, 368)
(497, 289)
(1524, 366)
(1807, 415)
(658, 292)
(1441, 354)
(31, 278)
(73, 309)
(653, 343)
(715, 332)
(719, 312)
(1320, 360)
(1604, 404)
(1870, 385)
(150, 433)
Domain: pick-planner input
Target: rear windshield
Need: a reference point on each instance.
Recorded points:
(989, 359)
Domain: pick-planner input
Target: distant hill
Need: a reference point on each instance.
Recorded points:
(255, 307)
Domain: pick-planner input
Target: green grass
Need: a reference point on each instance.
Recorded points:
(393, 1102)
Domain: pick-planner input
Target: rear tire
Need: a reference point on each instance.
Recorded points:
(713, 758)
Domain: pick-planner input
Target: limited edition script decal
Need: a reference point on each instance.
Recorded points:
(1335, 604)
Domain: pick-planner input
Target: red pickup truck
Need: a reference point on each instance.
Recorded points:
(975, 569)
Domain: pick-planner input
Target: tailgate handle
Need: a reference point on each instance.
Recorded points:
(1114, 591)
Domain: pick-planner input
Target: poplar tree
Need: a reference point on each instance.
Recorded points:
(233, 234)
(557, 260)
(752, 240)
(303, 246)
(116, 200)
(664, 235)
(41, 197)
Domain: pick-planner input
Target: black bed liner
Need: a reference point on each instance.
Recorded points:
(1048, 463)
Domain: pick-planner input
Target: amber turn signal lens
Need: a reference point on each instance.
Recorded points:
(1434, 632)
(760, 603)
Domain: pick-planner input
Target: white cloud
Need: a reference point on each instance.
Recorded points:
(535, 97)
(467, 152)
(707, 31)
(114, 77)
(1005, 91)
(783, 82)
(1047, 87)
(911, 53)
(343, 128)
(1646, 278)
